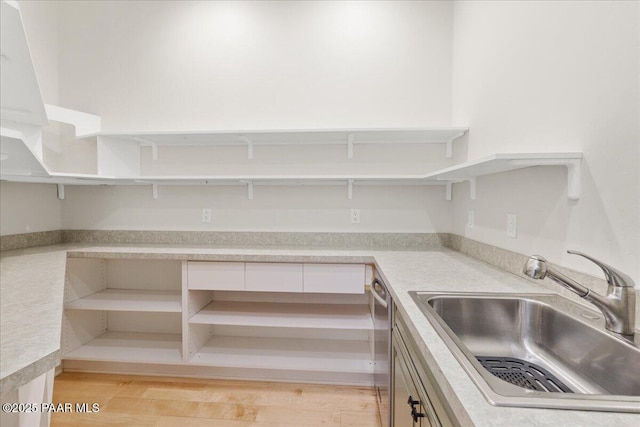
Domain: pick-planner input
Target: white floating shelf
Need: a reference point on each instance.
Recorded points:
(118, 151)
(287, 315)
(21, 100)
(427, 135)
(504, 162)
(286, 353)
(468, 171)
(131, 347)
(130, 300)
(281, 180)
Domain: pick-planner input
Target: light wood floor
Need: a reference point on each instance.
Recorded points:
(127, 400)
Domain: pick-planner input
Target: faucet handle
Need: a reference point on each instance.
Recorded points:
(614, 276)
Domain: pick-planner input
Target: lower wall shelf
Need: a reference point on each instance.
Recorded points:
(131, 347)
(129, 300)
(286, 353)
(129, 316)
(286, 315)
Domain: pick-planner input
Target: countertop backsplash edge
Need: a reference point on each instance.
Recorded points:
(512, 262)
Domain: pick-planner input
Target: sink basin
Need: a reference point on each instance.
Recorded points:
(537, 350)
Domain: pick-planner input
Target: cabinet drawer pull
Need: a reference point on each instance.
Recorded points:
(415, 414)
(412, 402)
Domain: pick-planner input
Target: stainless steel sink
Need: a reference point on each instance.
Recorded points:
(557, 349)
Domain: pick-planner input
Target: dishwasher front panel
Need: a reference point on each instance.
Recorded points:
(382, 322)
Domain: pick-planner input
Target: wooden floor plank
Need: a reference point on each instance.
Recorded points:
(292, 416)
(102, 419)
(149, 401)
(359, 419)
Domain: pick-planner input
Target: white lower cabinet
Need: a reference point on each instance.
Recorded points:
(278, 321)
(224, 276)
(122, 311)
(334, 278)
(273, 277)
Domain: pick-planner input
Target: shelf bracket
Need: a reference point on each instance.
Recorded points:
(573, 179)
(154, 190)
(61, 191)
(250, 190)
(350, 189)
(449, 190)
(249, 143)
(350, 141)
(573, 166)
(472, 188)
(450, 144)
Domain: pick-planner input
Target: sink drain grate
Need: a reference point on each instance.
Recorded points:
(523, 374)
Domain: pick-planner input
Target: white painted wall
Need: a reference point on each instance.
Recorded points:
(383, 209)
(552, 76)
(41, 27)
(527, 76)
(368, 159)
(27, 208)
(260, 65)
(174, 65)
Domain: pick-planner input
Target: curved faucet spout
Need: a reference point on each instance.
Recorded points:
(614, 276)
(618, 306)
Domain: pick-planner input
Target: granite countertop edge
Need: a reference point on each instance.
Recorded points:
(437, 269)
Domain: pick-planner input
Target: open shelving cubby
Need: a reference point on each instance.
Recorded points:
(137, 347)
(152, 315)
(284, 315)
(327, 358)
(129, 300)
(122, 310)
(320, 337)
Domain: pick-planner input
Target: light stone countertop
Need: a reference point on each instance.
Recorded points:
(32, 298)
(31, 295)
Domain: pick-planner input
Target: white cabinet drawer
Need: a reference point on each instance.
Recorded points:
(221, 276)
(334, 278)
(274, 277)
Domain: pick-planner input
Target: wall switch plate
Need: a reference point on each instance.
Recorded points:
(470, 219)
(512, 225)
(206, 215)
(355, 216)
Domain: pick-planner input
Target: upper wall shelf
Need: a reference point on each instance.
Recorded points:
(463, 172)
(21, 100)
(504, 162)
(118, 157)
(250, 139)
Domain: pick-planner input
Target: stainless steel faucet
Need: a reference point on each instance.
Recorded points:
(618, 307)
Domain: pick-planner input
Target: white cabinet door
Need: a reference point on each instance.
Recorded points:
(221, 276)
(274, 277)
(334, 278)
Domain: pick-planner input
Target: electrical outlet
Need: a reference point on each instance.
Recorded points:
(355, 216)
(206, 215)
(512, 225)
(470, 219)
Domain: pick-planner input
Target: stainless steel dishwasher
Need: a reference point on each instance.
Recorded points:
(382, 321)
